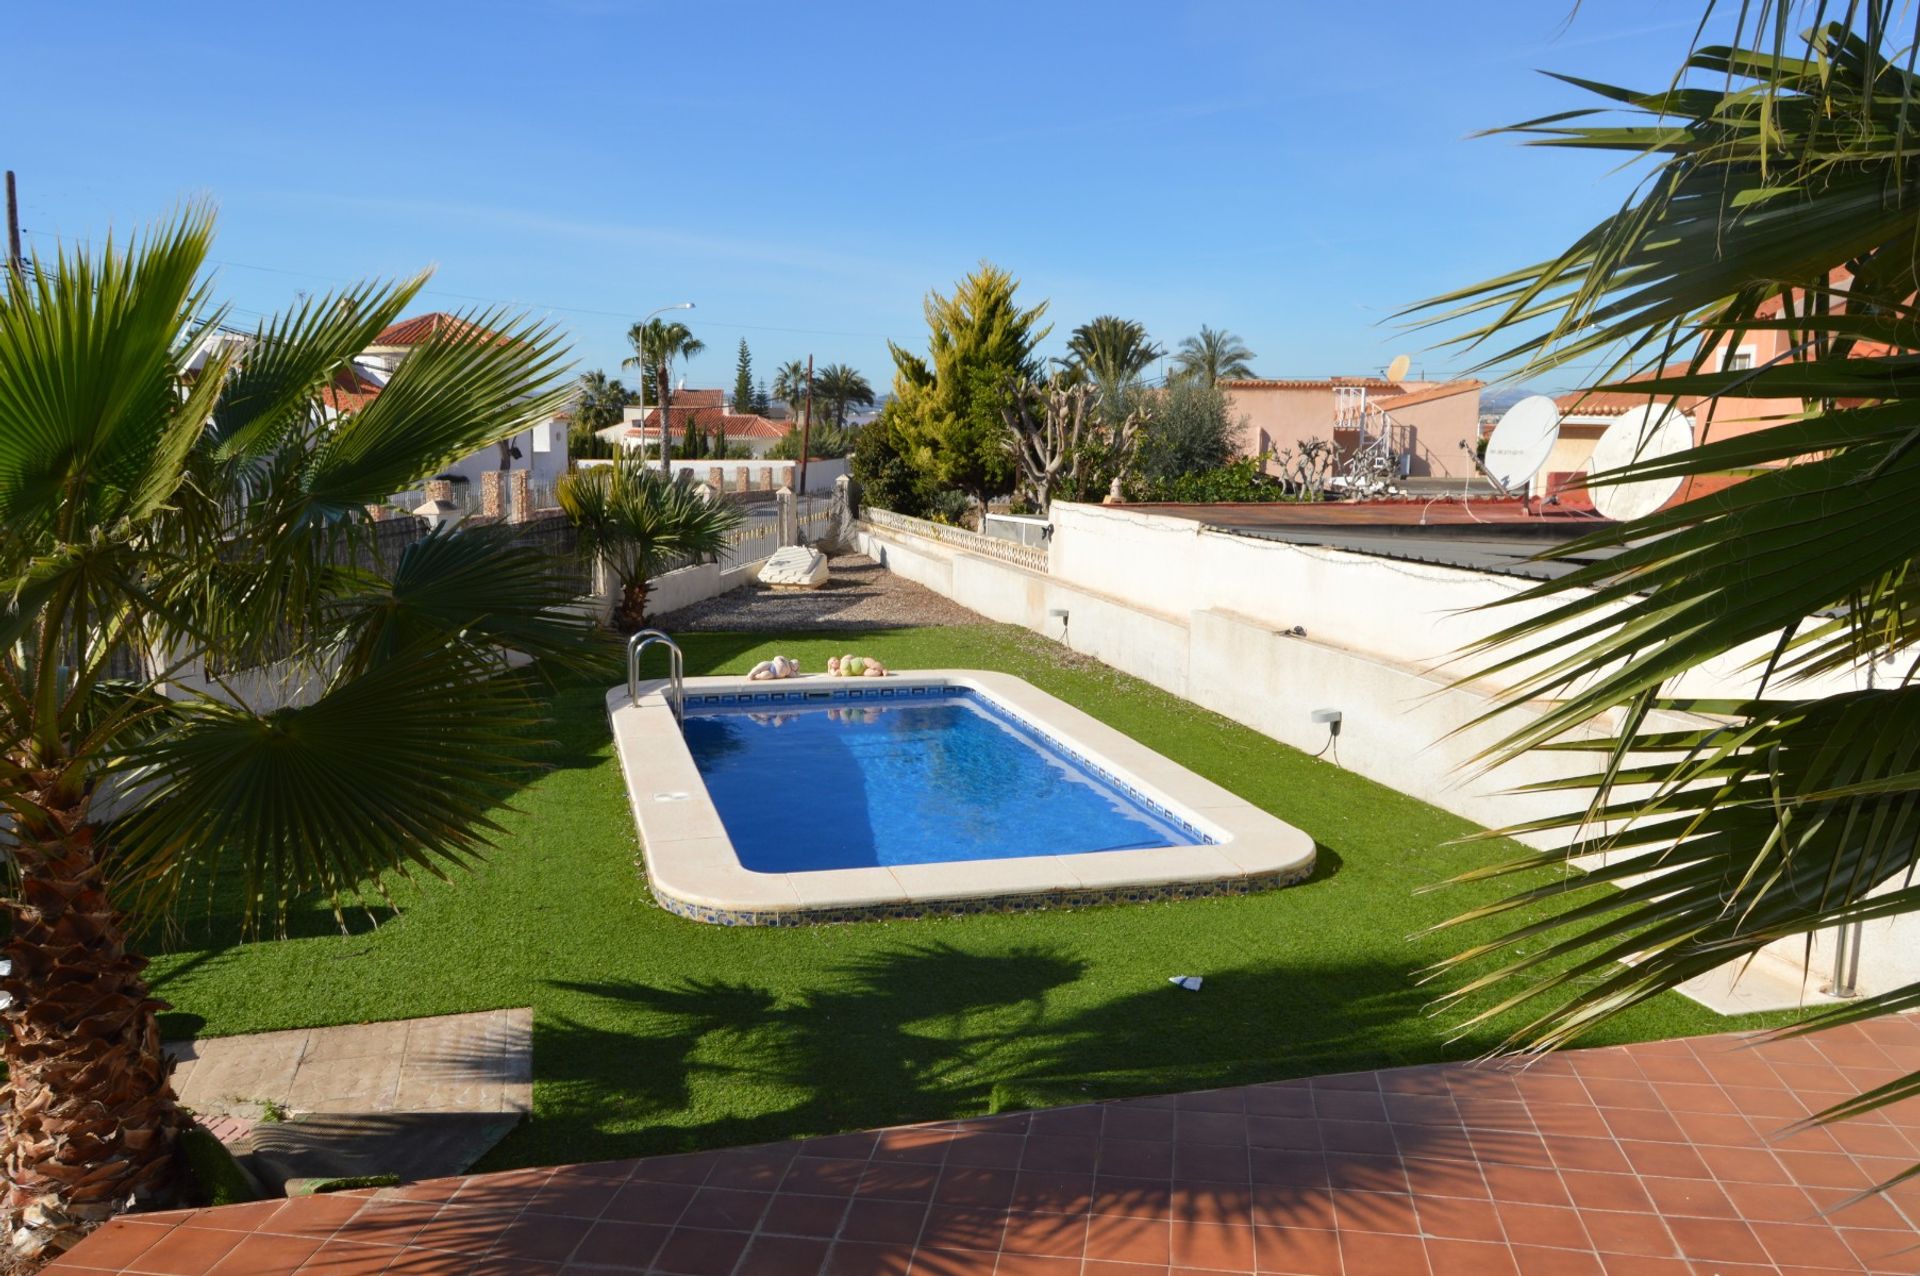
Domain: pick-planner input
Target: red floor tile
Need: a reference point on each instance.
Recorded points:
(188, 1251)
(1296, 1251)
(1629, 1161)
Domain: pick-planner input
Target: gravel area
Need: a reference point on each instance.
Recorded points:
(859, 594)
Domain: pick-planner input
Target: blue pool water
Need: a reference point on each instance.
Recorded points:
(854, 784)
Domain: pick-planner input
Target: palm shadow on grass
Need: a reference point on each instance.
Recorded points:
(925, 1032)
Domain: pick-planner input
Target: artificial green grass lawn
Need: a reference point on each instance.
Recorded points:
(655, 1034)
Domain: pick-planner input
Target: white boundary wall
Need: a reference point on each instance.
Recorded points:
(1208, 616)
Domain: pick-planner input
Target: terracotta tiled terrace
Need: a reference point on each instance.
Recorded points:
(1654, 1159)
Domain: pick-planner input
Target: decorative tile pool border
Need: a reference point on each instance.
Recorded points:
(1029, 902)
(992, 705)
(823, 695)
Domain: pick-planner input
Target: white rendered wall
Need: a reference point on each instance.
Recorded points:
(1207, 616)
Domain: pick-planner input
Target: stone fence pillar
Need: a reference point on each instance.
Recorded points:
(492, 494)
(789, 518)
(840, 511)
(522, 506)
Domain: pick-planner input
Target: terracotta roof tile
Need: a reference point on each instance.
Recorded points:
(421, 328)
(1311, 383)
(1445, 390)
(736, 425)
(349, 391)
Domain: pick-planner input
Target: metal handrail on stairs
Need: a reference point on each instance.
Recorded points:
(677, 697)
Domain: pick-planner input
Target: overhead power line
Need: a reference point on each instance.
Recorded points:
(493, 301)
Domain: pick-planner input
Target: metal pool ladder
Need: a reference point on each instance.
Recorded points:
(677, 692)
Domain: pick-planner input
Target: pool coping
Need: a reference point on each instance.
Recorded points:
(693, 870)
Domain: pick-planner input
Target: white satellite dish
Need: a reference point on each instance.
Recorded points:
(1521, 443)
(1645, 433)
(1397, 370)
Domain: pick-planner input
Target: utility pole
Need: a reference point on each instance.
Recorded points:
(15, 263)
(806, 428)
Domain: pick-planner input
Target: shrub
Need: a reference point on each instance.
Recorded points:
(888, 478)
(949, 506)
(1244, 479)
(1188, 433)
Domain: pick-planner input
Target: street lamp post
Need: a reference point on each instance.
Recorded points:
(660, 390)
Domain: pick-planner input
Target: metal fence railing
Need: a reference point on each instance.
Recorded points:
(1031, 557)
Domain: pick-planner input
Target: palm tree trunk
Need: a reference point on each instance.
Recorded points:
(631, 612)
(88, 1118)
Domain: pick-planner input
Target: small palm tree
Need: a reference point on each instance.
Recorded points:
(790, 387)
(841, 387)
(634, 520)
(1214, 356)
(160, 516)
(1115, 352)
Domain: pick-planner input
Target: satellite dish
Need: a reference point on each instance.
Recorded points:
(1523, 440)
(1645, 433)
(1397, 370)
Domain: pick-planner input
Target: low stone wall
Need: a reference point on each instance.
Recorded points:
(689, 585)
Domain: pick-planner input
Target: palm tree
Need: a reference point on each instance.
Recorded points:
(659, 344)
(156, 521)
(635, 520)
(598, 400)
(841, 387)
(1214, 356)
(1778, 199)
(1115, 352)
(790, 387)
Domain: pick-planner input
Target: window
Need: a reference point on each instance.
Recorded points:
(543, 437)
(1738, 361)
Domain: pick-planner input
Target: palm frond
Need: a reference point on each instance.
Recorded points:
(1774, 197)
(462, 390)
(397, 770)
(474, 587)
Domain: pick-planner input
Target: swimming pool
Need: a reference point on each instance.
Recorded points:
(944, 791)
(934, 780)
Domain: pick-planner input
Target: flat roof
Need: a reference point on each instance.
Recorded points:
(1495, 536)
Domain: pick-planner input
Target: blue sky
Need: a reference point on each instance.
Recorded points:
(805, 174)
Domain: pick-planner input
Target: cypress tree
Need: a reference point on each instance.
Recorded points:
(743, 380)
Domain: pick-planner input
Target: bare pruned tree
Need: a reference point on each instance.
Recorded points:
(1055, 431)
(1309, 470)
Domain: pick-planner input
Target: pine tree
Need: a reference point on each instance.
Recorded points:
(743, 379)
(762, 401)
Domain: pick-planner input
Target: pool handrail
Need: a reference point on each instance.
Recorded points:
(677, 695)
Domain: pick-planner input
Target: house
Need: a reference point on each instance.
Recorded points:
(1586, 414)
(540, 449)
(709, 411)
(1428, 428)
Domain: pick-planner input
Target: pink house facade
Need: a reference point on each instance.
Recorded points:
(1433, 424)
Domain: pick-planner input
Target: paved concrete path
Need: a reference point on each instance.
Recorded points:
(454, 1063)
